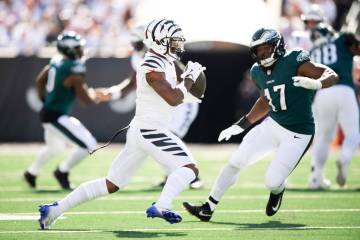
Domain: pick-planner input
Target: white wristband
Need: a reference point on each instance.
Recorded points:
(182, 88)
(115, 92)
(318, 84)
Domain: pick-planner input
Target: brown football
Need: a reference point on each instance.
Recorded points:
(199, 87)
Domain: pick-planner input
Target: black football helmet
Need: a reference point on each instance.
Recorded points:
(267, 36)
(71, 45)
(321, 33)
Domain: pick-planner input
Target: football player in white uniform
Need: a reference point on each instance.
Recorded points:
(157, 94)
(184, 114)
(336, 105)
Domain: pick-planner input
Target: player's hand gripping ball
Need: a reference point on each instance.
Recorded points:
(199, 86)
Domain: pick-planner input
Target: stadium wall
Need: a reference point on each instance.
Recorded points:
(19, 121)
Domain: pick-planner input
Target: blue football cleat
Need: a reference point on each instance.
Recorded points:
(169, 215)
(45, 219)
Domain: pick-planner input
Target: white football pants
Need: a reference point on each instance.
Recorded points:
(264, 138)
(161, 144)
(333, 106)
(65, 131)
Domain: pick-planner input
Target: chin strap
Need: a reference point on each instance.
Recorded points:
(110, 141)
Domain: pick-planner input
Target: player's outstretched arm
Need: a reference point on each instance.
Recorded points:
(257, 112)
(41, 81)
(315, 76)
(85, 94)
(117, 91)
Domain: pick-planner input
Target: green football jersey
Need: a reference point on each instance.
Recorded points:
(290, 106)
(337, 56)
(58, 97)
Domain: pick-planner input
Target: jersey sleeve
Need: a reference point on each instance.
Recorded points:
(153, 64)
(78, 68)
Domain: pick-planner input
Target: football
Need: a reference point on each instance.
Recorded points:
(199, 87)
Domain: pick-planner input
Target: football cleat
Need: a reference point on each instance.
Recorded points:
(63, 179)
(196, 184)
(30, 179)
(202, 212)
(319, 184)
(342, 171)
(46, 220)
(274, 203)
(166, 214)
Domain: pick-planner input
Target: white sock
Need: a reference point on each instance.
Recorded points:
(85, 192)
(176, 182)
(44, 156)
(320, 154)
(227, 177)
(348, 148)
(75, 157)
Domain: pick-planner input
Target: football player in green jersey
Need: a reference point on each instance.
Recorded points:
(336, 105)
(58, 85)
(286, 81)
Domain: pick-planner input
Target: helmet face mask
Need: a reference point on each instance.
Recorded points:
(71, 45)
(176, 47)
(165, 37)
(267, 46)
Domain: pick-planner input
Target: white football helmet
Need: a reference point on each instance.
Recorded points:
(165, 37)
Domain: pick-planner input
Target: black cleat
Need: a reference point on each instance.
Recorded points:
(63, 179)
(30, 179)
(274, 203)
(202, 212)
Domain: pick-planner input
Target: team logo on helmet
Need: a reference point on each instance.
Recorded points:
(271, 37)
(70, 44)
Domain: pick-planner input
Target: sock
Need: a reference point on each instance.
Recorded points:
(278, 190)
(212, 203)
(227, 177)
(320, 154)
(75, 157)
(85, 192)
(44, 156)
(176, 182)
(348, 148)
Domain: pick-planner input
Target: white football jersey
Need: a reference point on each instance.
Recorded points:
(152, 111)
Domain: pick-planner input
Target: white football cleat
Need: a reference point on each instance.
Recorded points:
(341, 173)
(319, 184)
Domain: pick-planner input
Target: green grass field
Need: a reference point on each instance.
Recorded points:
(333, 214)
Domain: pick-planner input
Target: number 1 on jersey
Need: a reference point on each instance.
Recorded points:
(277, 88)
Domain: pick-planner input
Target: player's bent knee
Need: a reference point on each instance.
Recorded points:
(194, 168)
(111, 187)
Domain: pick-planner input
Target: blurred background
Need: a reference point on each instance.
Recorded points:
(217, 34)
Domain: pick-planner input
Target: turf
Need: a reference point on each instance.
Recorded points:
(332, 214)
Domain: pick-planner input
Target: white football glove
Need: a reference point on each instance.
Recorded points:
(192, 70)
(230, 131)
(307, 83)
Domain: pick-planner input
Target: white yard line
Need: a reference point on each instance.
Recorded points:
(28, 215)
(192, 197)
(182, 229)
